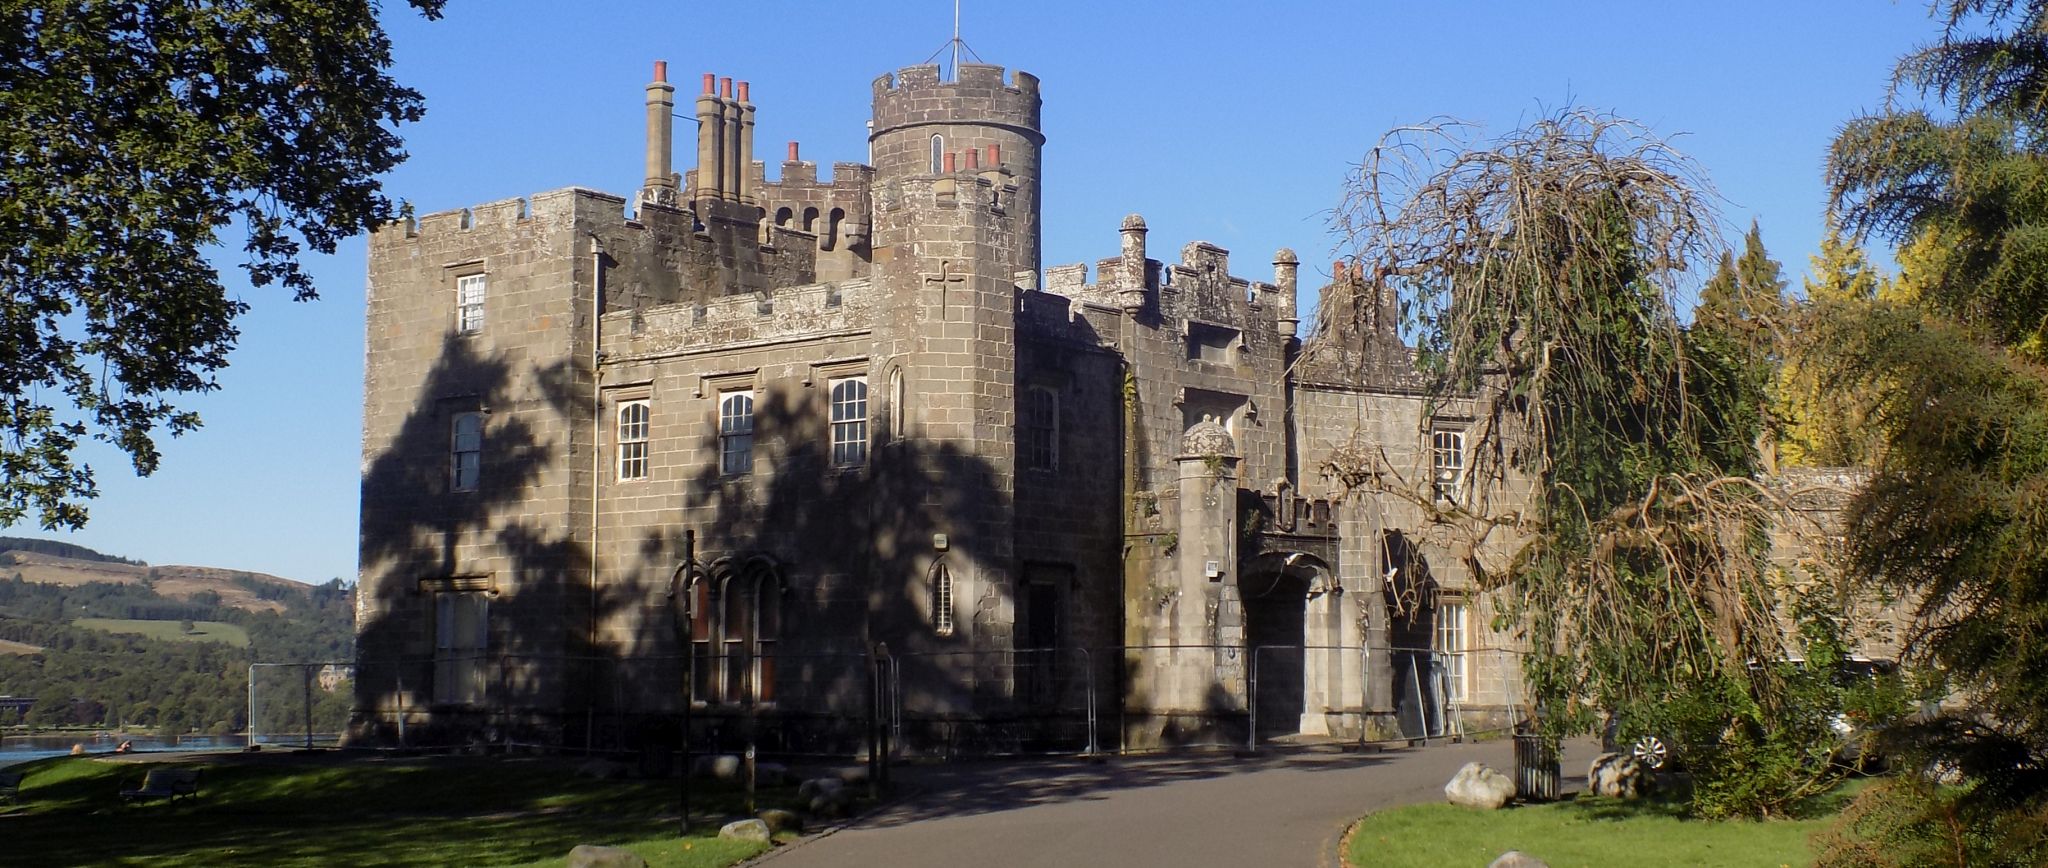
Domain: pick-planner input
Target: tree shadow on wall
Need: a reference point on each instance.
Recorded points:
(856, 550)
(511, 544)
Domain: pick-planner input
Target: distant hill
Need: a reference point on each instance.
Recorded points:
(255, 592)
(61, 549)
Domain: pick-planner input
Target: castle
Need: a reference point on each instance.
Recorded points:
(785, 440)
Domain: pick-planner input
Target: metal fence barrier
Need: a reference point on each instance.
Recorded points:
(874, 703)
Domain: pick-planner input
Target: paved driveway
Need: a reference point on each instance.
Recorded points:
(1283, 809)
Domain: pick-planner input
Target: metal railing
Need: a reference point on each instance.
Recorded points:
(964, 702)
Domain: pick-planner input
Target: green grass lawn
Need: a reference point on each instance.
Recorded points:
(285, 809)
(1584, 832)
(202, 631)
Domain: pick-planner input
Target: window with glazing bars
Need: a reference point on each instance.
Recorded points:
(1450, 647)
(736, 433)
(1447, 463)
(633, 416)
(469, 303)
(465, 451)
(849, 421)
(1039, 443)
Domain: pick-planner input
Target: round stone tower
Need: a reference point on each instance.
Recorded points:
(975, 125)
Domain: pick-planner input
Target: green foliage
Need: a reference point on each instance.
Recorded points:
(281, 810)
(59, 549)
(86, 677)
(1540, 270)
(1909, 821)
(135, 134)
(1585, 831)
(1952, 519)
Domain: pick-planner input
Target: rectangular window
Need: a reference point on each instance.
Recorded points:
(1450, 647)
(633, 417)
(1038, 441)
(736, 432)
(849, 421)
(1213, 344)
(466, 451)
(461, 637)
(469, 303)
(1447, 463)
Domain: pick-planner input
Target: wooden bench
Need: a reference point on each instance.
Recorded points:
(166, 784)
(10, 786)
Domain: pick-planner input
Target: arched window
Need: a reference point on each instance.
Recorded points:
(783, 215)
(898, 410)
(849, 421)
(633, 440)
(736, 432)
(938, 154)
(734, 625)
(942, 599)
(810, 219)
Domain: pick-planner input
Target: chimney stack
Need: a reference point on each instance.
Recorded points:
(1286, 271)
(661, 105)
(743, 158)
(710, 141)
(729, 164)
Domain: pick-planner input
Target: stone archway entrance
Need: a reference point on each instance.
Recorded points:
(1283, 633)
(1411, 600)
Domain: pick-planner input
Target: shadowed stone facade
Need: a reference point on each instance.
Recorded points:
(885, 424)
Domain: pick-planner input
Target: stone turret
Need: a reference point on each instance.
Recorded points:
(920, 119)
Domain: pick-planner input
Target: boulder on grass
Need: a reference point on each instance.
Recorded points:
(780, 821)
(771, 774)
(594, 856)
(1618, 776)
(1517, 859)
(1477, 786)
(745, 830)
(603, 770)
(724, 767)
(818, 786)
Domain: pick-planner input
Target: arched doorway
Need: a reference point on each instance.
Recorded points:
(1283, 632)
(1411, 600)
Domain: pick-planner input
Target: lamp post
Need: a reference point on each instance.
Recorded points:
(682, 592)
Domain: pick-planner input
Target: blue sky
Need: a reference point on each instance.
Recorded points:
(1227, 122)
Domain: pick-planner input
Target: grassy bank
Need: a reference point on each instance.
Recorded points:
(171, 631)
(283, 809)
(1585, 832)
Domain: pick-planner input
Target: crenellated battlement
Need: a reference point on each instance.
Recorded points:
(1199, 286)
(979, 94)
(838, 211)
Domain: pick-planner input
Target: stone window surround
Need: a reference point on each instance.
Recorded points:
(736, 432)
(1452, 639)
(849, 436)
(1035, 425)
(1446, 447)
(461, 276)
(462, 641)
(633, 462)
(465, 453)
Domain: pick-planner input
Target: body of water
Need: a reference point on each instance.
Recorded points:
(23, 748)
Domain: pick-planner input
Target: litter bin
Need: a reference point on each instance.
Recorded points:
(1537, 778)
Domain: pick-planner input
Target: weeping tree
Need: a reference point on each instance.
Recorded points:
(1612, 503)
